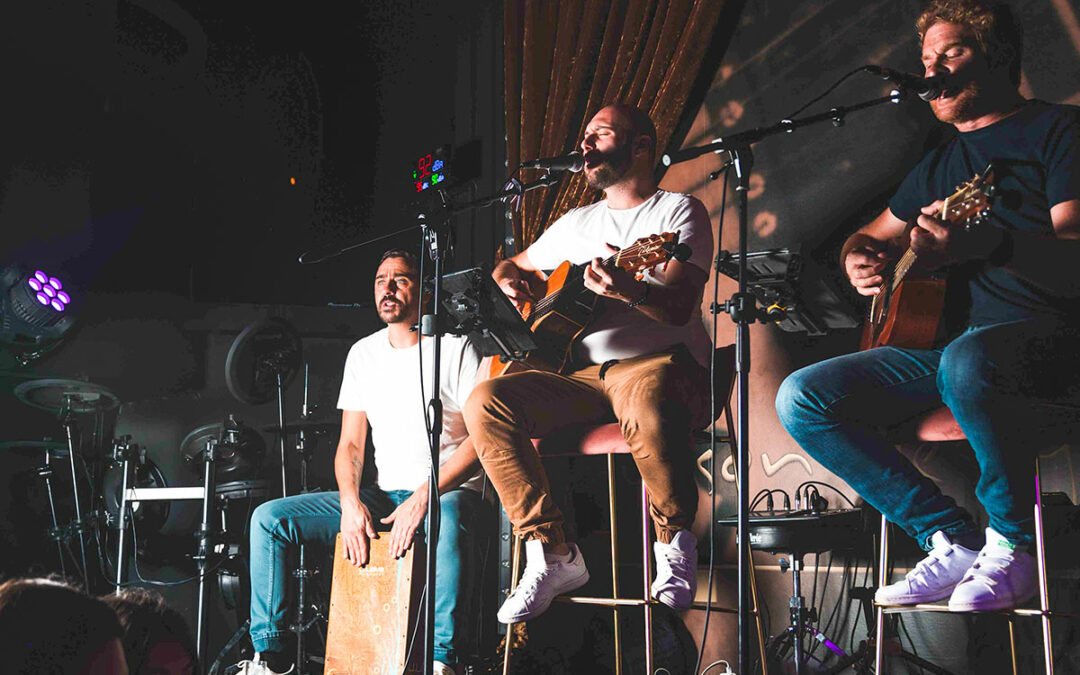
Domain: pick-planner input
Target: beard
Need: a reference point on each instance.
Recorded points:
(612, 168)
(961, 105)
(394, 313)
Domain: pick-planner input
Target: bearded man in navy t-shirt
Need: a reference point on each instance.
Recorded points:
(1011, 374)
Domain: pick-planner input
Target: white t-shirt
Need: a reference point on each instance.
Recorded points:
(384, 382)
(619, 331)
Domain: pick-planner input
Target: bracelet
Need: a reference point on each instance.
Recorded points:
(643, 298)
(1003, 252)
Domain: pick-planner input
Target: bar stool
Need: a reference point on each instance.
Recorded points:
(941, 425)
(607, 440)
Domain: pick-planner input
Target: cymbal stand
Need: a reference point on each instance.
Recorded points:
(45, 473)
(205, 537)
(67, 418)
(124, 451)
(301, 573)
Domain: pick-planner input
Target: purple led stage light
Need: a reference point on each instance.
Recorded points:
(49, 291)
(64, 297)
(34, 284)
(57, 305)
(42, 298)
(55, 283)
(42, 277)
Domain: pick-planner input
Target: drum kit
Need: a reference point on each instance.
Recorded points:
(136, 488)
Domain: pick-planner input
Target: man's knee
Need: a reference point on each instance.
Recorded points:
(793, 400)
(965, 372)
(268, 516)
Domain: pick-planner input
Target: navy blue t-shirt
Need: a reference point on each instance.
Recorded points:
(1036, 157)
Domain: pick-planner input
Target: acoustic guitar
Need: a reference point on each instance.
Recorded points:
(566, 307)
(908, 307)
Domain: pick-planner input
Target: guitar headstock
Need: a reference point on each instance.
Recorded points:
(969, 206)
(646, 253)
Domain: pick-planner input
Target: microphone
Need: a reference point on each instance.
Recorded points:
(573, 162)
(926, 88)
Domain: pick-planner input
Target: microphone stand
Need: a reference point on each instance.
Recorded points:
(434, 236)
(743, 310)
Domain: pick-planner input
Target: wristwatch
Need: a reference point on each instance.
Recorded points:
(644, 296)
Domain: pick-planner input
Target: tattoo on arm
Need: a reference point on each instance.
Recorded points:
(357, 467)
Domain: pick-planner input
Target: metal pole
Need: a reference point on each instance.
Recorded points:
(743, 161)
(69, 428)
(120, 559)
(46, 473)
(205, 547)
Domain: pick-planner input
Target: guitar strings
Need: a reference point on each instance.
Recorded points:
(545, 303)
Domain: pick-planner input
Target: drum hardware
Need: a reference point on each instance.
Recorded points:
(242, 448)
(67, 419)
(798, 533)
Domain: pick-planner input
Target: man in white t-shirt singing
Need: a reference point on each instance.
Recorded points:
(642, 361)
(381, 390)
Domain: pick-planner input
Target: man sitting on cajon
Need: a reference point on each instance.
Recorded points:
(381, 388)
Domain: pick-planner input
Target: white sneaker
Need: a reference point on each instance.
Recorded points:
(541, 582)
(676, 571)
(257, 667)
(933, 578)
(1001, 578)
(440, 668)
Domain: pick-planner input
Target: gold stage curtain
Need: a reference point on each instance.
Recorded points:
(566, 59)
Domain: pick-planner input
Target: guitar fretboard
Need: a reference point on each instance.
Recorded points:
(577, 284)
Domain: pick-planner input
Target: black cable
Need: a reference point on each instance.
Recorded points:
(157, 582)
(712, 442)
(826, 92)
(834, 489)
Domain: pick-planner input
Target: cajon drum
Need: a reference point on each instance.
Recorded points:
(373, 612)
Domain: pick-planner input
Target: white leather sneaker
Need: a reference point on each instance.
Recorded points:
(676, 571)
(1000, 578)
(933, 578)
(256, 666)
(541, 582)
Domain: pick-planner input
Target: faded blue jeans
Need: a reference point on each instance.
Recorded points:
(278, 527)
(1013, 388)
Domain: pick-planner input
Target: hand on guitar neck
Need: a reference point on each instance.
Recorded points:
(611, 281)
(938, 244)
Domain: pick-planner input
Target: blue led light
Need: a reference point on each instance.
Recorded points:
(437, 165)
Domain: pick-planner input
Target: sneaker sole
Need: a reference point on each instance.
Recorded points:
(1000, 606)
(573, 584)
(904, 600)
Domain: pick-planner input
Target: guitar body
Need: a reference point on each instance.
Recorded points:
(566, 307)
(909, 317)
(556, 327)
(908, 308)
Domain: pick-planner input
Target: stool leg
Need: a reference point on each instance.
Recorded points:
(646, 558)
(1012, 641)
(1044, 595)
(757, 616)
(614, 561)
(514, 569)
(879, 612)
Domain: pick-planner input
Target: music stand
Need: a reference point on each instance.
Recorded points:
(476, 307)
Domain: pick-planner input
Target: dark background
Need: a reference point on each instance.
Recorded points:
(146, 156)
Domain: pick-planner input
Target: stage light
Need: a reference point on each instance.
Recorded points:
(34, 313)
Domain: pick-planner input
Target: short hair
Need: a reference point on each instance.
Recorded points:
(640, 122)
(147, 621)
(407, 256)
(410, 258)
(997, 31)
(48, 627)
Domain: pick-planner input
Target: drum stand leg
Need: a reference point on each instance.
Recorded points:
(69, 429)
(45, 473)
(205, 549)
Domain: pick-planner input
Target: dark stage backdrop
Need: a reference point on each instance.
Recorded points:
(809, 191)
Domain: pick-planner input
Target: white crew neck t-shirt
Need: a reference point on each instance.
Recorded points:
(384, 382)
(621, 332)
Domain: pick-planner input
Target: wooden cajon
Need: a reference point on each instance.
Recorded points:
(373, 612)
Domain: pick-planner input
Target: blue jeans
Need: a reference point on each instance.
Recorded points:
(1012, 387)
(281, 525)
